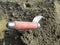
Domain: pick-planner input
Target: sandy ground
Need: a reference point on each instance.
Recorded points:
(26, 10)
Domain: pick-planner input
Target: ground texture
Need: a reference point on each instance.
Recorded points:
(26, 10)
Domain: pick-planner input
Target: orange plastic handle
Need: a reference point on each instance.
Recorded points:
(20, 25)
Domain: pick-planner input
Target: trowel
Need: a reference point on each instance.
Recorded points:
(23, 25)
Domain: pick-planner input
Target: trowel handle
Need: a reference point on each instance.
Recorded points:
(21, 25)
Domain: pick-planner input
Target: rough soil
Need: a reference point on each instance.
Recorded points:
(26, 10)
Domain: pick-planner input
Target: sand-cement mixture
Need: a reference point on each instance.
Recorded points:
(26, 10)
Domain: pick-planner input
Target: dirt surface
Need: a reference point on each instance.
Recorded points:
(26, 10)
